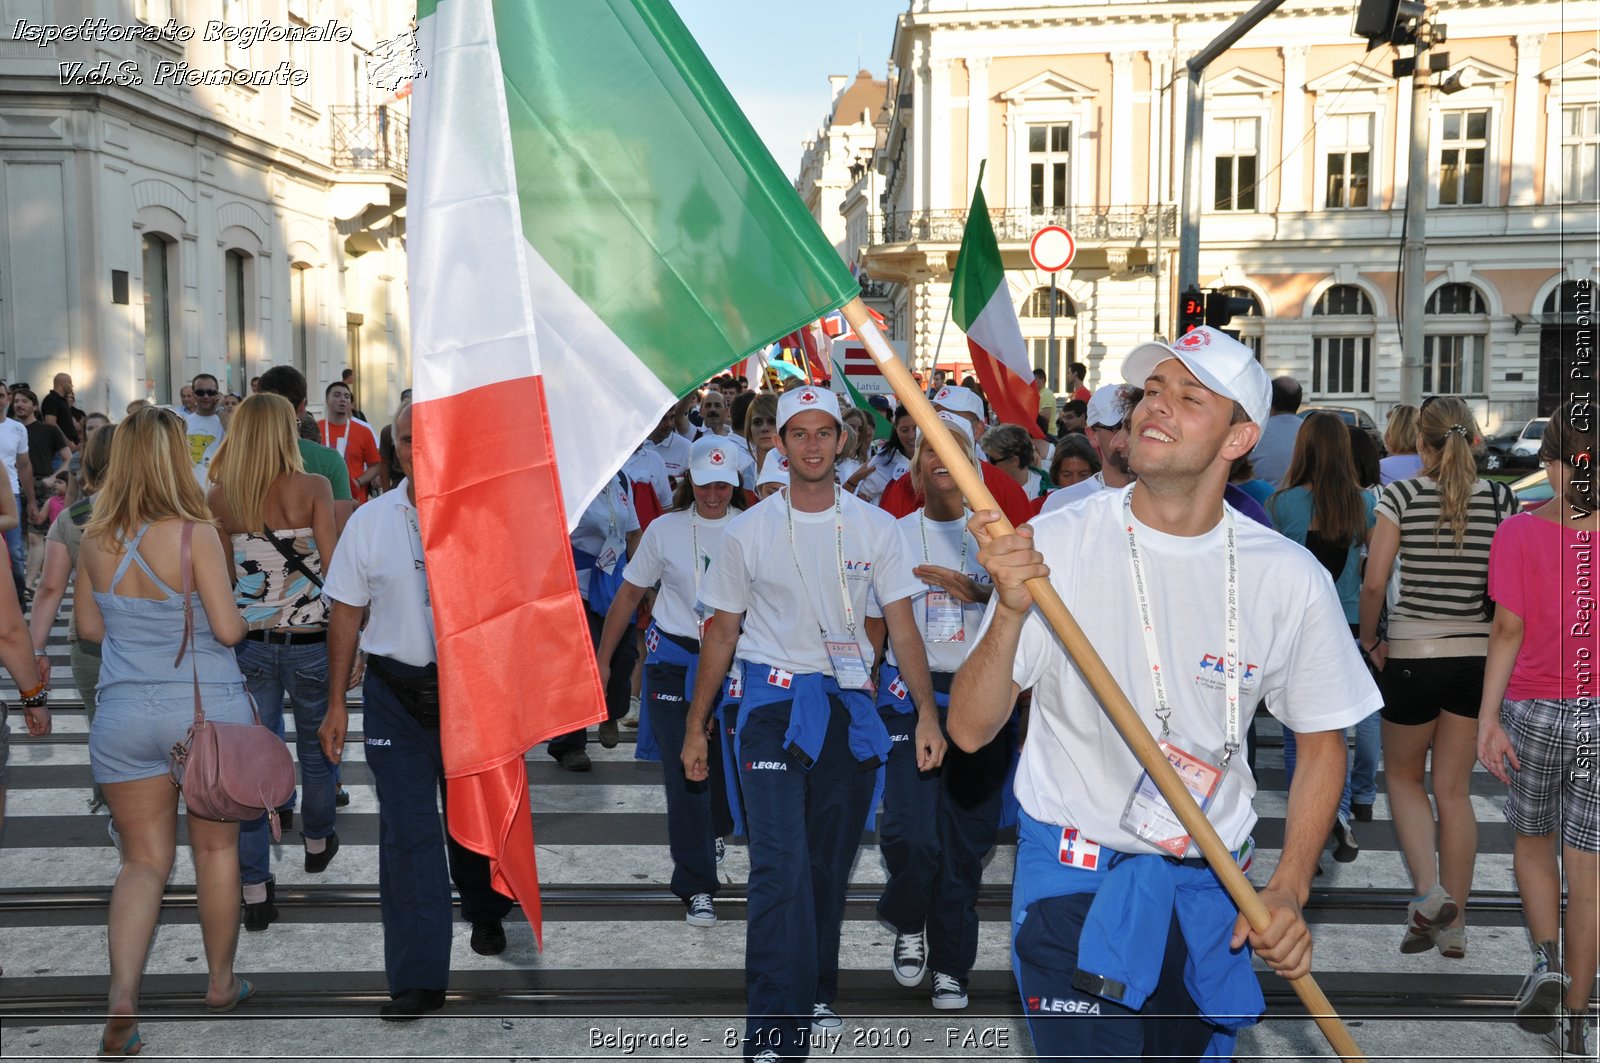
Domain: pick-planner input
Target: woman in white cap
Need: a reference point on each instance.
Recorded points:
(774, 474)
(937, 826)
(674, 554)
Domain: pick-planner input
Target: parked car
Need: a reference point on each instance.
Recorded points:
(1516, 447)
(1352, 416)
(1533, 490)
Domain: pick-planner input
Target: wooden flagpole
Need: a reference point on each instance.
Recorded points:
(1110, 695)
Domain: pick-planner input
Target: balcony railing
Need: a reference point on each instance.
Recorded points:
(370, 138)
(1088, 225)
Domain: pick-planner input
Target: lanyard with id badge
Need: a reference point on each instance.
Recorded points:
(942, 610)
(844, 652)
(1148, 816)
(698, 564)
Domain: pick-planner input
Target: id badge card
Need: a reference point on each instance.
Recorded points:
(609, 555)
(849, 667)
(1149, 817)
(943, 617)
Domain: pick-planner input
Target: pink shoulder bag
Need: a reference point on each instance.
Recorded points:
(226, 771)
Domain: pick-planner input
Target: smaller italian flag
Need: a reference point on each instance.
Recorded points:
(983, 310)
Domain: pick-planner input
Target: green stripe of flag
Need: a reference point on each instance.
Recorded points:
(647, 190)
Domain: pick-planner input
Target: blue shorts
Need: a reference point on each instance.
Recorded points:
(136, 726)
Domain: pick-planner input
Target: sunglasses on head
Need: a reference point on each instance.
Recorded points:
(205, 393)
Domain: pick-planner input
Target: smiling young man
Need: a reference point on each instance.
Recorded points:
(204, 426)
(1111, 900)
(790, 590)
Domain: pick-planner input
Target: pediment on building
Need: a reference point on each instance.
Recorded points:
(1352, 77)
(1581, 68)
(1047, 86)
(1241, 82)
(1486, 73)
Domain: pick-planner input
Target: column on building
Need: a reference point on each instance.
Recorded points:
(939, 158)
(1122, 135)
(922, 122)
(977, 120)
(1525, 118)
(1293, 154)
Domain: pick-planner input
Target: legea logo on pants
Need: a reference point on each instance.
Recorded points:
(765, 765)
(1062, 1006)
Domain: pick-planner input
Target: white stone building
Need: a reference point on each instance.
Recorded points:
(155, 223)
(1078, 109)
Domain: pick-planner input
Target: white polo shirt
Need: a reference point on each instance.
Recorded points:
(379, 563)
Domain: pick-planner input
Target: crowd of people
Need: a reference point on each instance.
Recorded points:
(813, 632)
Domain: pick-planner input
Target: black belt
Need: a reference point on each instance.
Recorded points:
(287, 638)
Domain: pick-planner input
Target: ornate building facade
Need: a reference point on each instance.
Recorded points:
(196, 186)
(1076, 111)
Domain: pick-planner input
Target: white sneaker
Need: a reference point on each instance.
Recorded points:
(1424, 916)
(1539, 999)
(700, 911)
(949, 992)
(910, 958)
(824, 1018)
(1572, 1036)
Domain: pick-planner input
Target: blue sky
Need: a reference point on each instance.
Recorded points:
(775, 57)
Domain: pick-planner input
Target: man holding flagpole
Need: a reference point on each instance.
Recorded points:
(1115, 915)
(809, 741)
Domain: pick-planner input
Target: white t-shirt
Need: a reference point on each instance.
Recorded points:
(945, 539)
(378, 564)
(1076, 771)
(205, 436)
(603, 529)
(674, 452)
(666, 556)
(646, 467)
(728, 436)
(13, 445)
(756, 574)
(1062, 497)
(882, 475)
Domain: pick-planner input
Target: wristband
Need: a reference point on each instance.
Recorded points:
(29, 695)
(37, 701)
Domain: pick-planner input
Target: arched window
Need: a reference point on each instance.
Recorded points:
(1341, 342)
(1455, 335)
(235, 280)
(1566, 326)
(1035, 321)
(299, 315)
(1249, 324)
(158, 317)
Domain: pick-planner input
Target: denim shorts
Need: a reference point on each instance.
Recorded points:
(135, 726)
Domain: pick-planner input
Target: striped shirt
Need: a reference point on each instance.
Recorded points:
(1442, 592)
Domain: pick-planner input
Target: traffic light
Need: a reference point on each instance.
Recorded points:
(1191, 310)
(1221, 308)
(1388, 21)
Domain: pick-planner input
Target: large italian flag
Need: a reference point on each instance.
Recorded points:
(594, 227)
(983, 310)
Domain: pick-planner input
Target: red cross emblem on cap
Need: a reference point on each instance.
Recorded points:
(943, 393)
(1194, 338)
(783, 463)
(717, 458)
(808, 395)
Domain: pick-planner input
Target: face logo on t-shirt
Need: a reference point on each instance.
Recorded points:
(1213, 674)
(857, 569)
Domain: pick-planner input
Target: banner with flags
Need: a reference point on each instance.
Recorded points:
(594, 228)
(982, 309)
